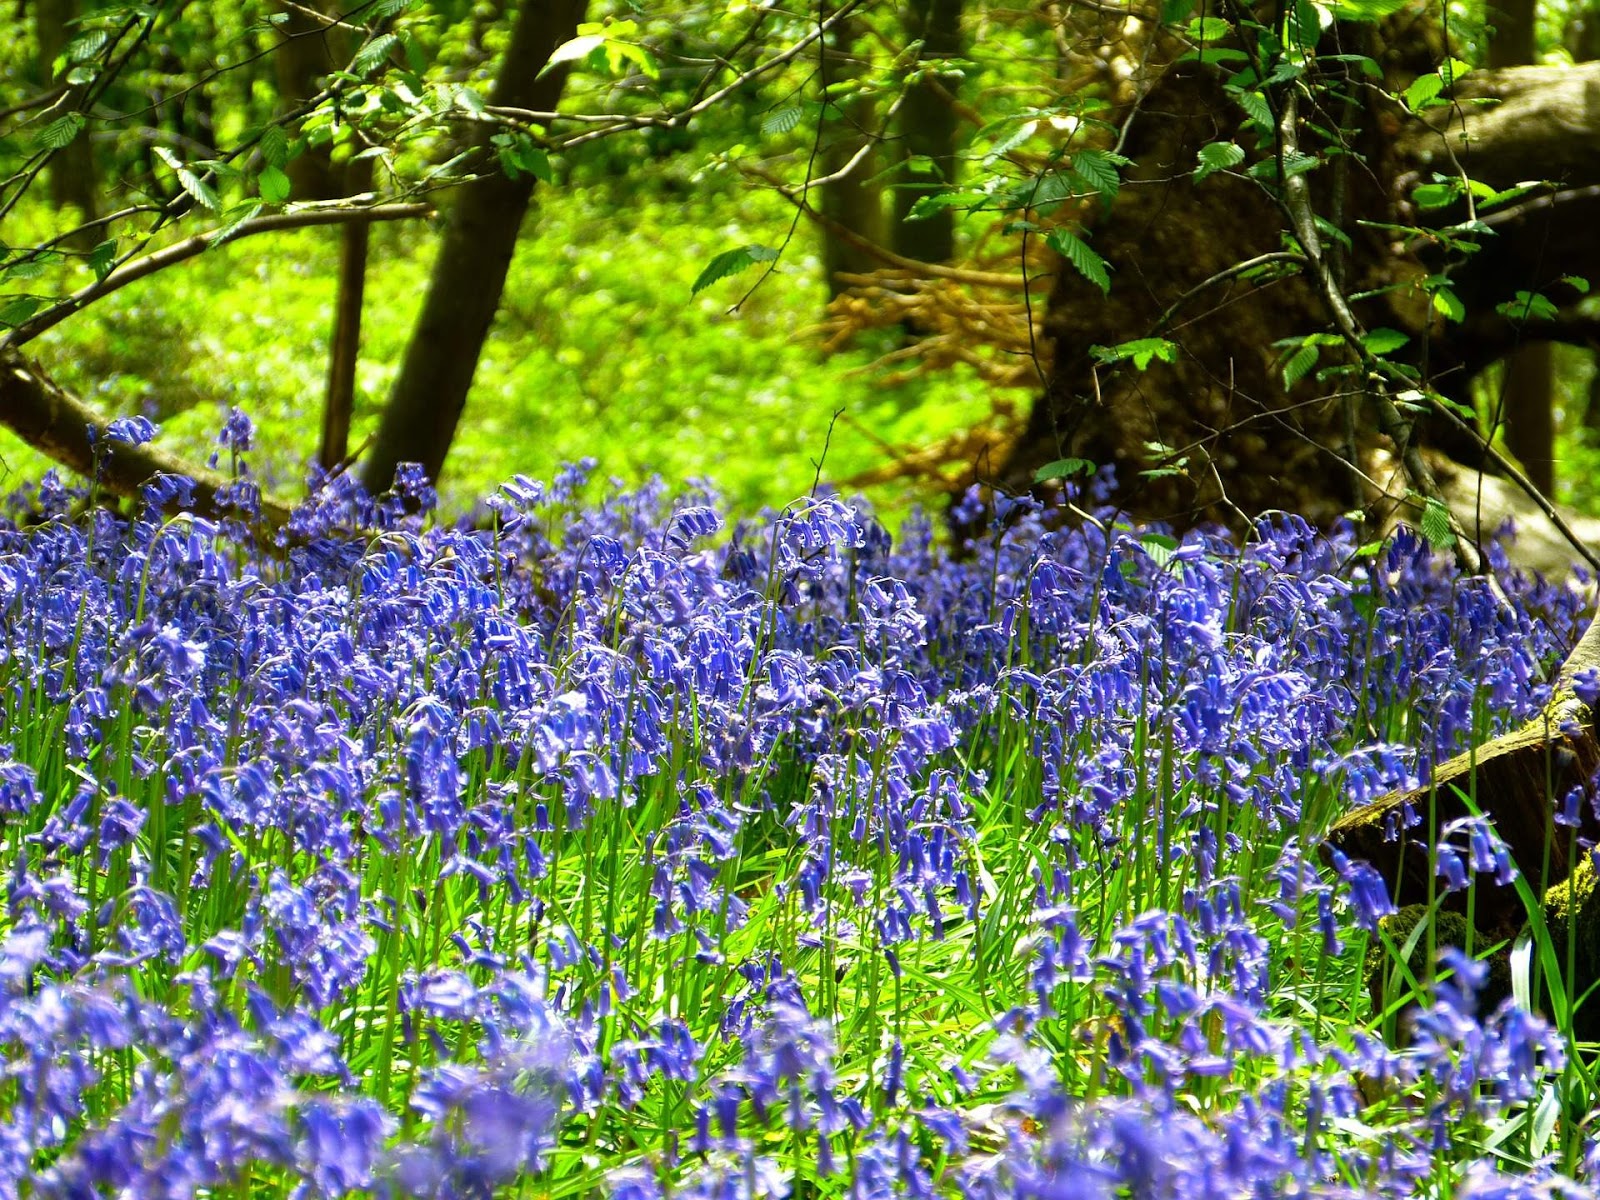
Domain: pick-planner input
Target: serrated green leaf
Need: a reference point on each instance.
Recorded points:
(1217, 156)
(1083, 259)
(1062, 468)
(1434, 195)
(1300, 364)
(731, 262)
(1159, 546)
(1255, 107)
(1577, 283)
(1098, 168)
(1208, 29)
(374, 53)
(1422, 93)
(273, 185)
(233, 221)
(1527, 306)
(1143, 352)
(927, 206)
(1436, 525)
(82, 49)
(1384, 340)
(102, 257)
(578, 49)
(202, 191)
(1448, 305)
(60, 133)
(781, 120)
(274, 146)
(18, 310)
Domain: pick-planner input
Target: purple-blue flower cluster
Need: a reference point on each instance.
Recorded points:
(593, 843)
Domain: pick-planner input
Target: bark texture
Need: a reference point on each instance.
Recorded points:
(1221, 428)
(928, 125)
(854, 200)
(424, 408)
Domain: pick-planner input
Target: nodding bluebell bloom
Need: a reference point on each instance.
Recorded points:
(130, 431)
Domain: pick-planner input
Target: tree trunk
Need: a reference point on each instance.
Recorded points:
(854, 201)
(480, 236)
(1527, 391)
(928, 134)
(1221, 433)
(72, 173)
(344, 347)
(310, 49)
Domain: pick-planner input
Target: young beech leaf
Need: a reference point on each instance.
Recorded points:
(1217, 156)
(1384, 341)
(731, 262)
(1062, 468)
(274, 146)
(273, 185)
(1436, 525)
(781, 120)
(1143, 352)
(61, 132)
(1077, 252)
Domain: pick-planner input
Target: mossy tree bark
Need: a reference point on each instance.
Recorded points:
(1225, 433)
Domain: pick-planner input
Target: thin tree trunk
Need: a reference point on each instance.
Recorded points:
(1528, 386)
(72, 173)
(928, 132)
(855, 201)
(345, 346)
(424, 408)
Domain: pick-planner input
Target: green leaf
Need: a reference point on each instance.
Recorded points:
(1159, 546)
(1062, 468)
(1434, 195)
(233, 221)
(1300, 363)
(102, 257)
(781, 120)
(1143, 352)
(1255, 107)
(927, 206)
(1077, 252)
(374, 53)
(1577, 283)
(578, 49)
(1384, 341)
(60, 133)
(1448, 305)
(275, 146)
(199, 189)
(273, 184)
(1527, 306)
(1423, 92)
(731, 262)
(1217, 156)
(18, 310)
(1098, 168)
(1208, 29)
(1436, 525)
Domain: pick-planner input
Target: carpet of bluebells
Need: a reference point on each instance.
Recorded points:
(599, 847)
